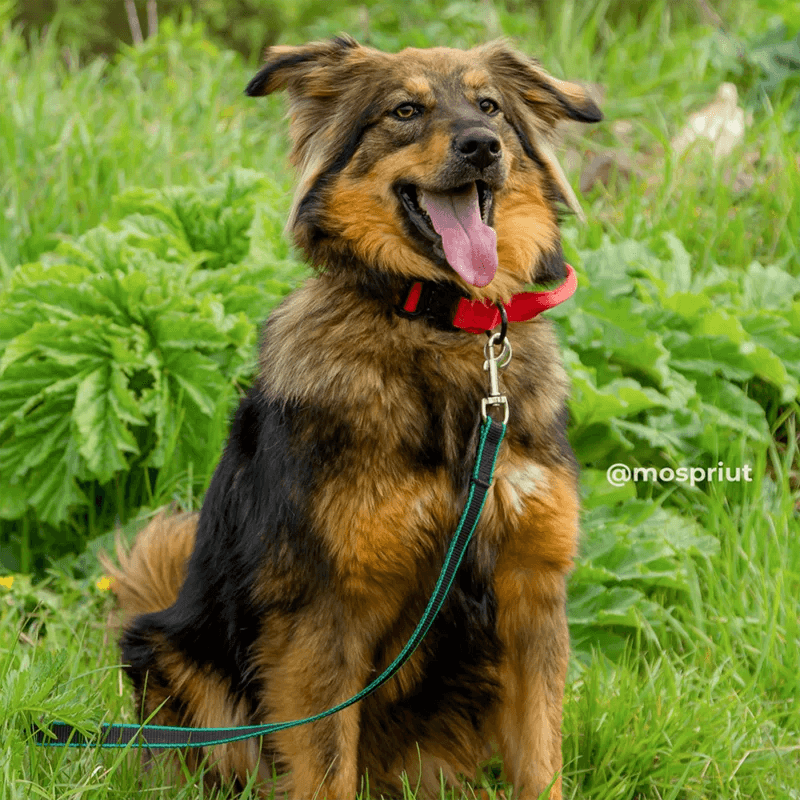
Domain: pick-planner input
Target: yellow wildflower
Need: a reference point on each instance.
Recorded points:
(104, 584)
(8, 581)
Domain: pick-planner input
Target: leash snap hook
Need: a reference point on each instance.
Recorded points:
(492, 365)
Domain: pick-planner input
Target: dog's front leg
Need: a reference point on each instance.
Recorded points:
(322, 665)
(533, 629)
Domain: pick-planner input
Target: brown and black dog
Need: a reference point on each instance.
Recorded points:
(326, 522)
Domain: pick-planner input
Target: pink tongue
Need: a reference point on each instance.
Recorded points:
(469, 245)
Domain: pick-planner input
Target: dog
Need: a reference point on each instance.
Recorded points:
(327, 520)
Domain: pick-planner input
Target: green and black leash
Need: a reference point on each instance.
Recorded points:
(59, 734)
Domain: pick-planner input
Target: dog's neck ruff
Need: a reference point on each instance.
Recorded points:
(445, 307)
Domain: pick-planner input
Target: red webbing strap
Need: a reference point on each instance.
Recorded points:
(477, 316)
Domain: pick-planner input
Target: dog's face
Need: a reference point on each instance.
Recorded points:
(433, 164)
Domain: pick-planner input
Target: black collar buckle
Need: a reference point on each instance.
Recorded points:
(430, 300)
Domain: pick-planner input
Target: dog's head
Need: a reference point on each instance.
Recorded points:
(431, 164)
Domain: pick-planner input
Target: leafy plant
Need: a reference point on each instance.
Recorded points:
(632, 557)
(664, 375)
(662, 372)
(123, 350)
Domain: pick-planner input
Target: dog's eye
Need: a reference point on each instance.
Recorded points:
(407, 111)
(488, 106)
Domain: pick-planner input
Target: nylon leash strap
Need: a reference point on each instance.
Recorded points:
(59, 734)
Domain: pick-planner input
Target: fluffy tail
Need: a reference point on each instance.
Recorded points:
(150, 575)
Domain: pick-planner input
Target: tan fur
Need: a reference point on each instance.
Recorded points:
(150, 575)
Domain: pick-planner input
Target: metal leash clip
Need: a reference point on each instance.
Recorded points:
(492, 365)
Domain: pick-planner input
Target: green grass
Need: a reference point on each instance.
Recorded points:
(716, 718)
(692, 688)
(171, 112)
(709, 715)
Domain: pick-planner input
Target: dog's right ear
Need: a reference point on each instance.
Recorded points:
(300, 69)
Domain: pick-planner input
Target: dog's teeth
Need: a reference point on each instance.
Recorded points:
(421, 201)
(484, 202)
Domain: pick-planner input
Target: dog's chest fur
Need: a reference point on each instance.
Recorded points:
(391, 423)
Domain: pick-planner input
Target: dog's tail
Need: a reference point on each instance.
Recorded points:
(150, 575)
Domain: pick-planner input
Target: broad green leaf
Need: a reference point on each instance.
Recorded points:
(768, 287)
(610, 606)
(768, 366)
(774, 331)
(672, 275)
(596, 489)
(147, 202)
(729, 409)
(662, 436)
(708, 355)
(104, 436)
(123, 401)
(608, 268)
(42, 437)
(689, 305)
(198, 376)
(722, 323)
(53, 486)
(23, 385)
(126, 328)
(183, 332)
(622, 397)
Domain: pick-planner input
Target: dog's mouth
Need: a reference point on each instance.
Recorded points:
(456, 223)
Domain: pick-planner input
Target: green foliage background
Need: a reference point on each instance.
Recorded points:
(130, 315)
(142, 202)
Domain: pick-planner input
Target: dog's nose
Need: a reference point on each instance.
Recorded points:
(478, 146)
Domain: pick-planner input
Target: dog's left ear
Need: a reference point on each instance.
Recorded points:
(550, 98)
(542, 101)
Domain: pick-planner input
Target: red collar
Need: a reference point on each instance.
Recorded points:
(477, 316)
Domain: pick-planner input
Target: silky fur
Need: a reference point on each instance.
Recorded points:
(347, 467)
